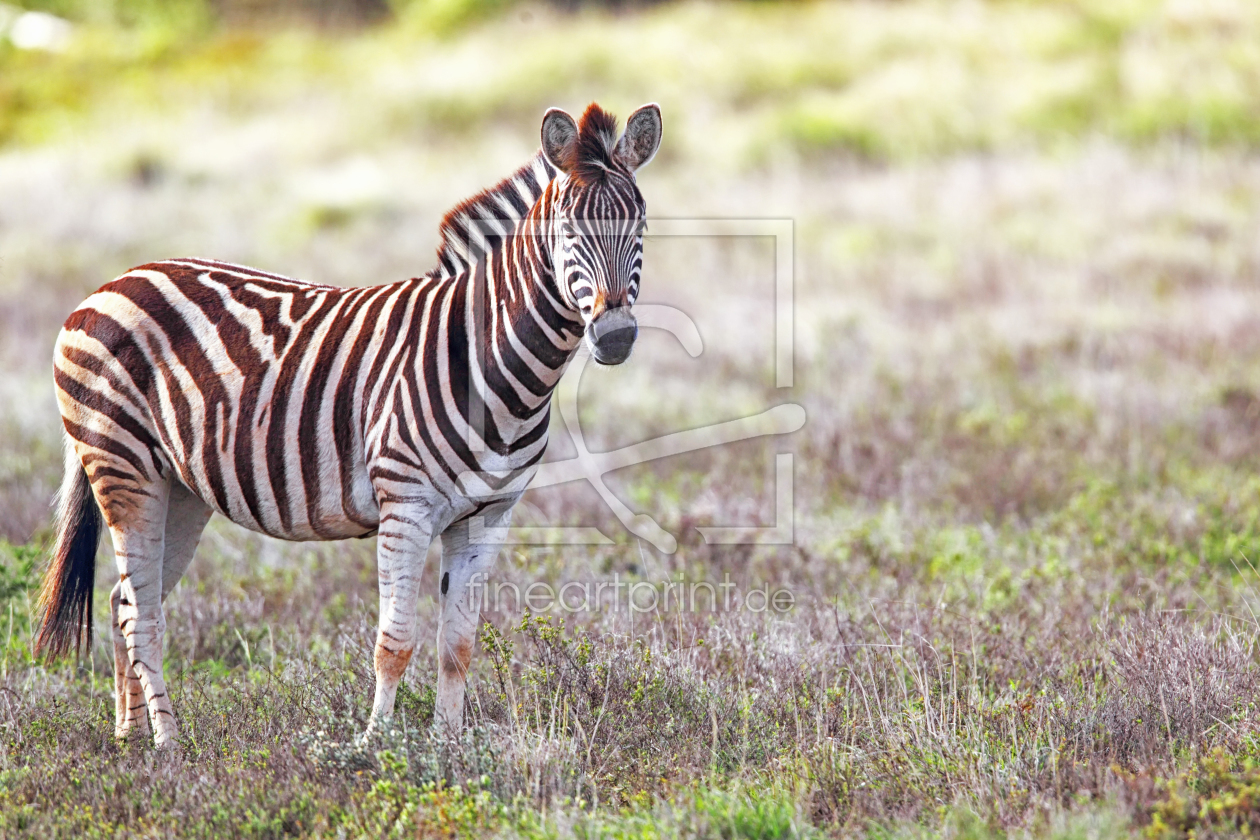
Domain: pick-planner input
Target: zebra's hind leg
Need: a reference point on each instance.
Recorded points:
(401, 547)
(138, 533)
(467, 558)
(131, 709)
(186, 519)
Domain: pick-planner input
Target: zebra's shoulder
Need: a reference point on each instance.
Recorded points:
(478, 224)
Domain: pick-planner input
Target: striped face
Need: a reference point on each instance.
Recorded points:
(598, 220)
(599, 259)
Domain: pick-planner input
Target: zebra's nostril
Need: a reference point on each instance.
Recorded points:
(612, 336)
(623, 337)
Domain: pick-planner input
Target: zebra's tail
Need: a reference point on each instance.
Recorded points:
(65, 599)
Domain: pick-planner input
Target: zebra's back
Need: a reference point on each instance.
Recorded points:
(248, 387)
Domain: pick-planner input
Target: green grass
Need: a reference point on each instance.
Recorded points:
(883, 81)
(1032, 675)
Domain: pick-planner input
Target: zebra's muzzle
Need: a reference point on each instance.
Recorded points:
(612, 335)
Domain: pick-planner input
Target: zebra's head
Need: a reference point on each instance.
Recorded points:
(598, 218)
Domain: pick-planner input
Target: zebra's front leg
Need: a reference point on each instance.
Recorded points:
(467, 557)
(402, 544)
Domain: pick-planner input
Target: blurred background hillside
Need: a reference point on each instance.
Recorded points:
(1027, 279)
(956, 172)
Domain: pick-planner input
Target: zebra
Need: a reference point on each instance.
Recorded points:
(409, 411)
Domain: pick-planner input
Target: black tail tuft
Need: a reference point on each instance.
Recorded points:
(66, 596)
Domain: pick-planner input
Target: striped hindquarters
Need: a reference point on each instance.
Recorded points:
(245, 386)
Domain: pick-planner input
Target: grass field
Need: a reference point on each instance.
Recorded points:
(1026, 497)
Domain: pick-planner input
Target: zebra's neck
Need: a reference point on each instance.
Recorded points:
(480, 224)
(511, 333)
(529, 314)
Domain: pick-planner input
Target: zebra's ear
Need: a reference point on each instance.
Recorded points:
(642, 138)
(559, 138)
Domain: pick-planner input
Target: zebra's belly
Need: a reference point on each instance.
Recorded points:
(313, 501)
(326, 525)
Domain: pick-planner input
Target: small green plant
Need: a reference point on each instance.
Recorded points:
(418, 705)
(1219, 795)
(498, 649)
(18, 569)
(394, 806)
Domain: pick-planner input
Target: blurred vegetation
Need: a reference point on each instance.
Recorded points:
(1216, 796)
(879, 80)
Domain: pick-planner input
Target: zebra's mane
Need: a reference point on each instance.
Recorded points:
(591, 158)
(478, 225)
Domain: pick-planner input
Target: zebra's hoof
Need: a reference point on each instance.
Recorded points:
(131, 729)
(166, 740)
